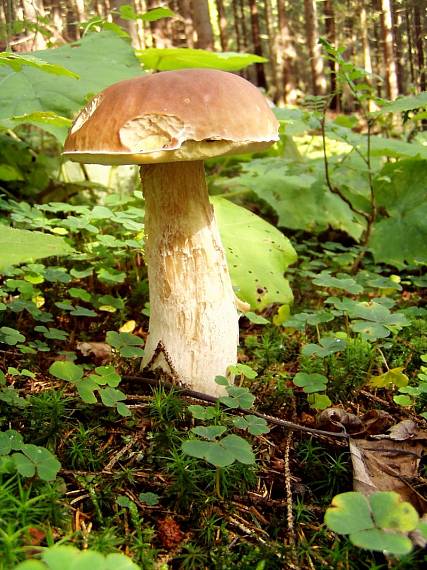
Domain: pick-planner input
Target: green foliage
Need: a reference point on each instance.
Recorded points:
(166, 59)
(19, 246)
(220, 453)
(127, 344)
(401, 104)
(371, 319)
(17, 61)
(400, 236)
(105, 382)
(253, 424)
(149, 498)
(63, 557)
(408, 395)
(11, 336)
(25, 458)
(380, 522)
(98, 59)
(341, 281)
(128, 13)
(310, 382)
(224, 451)
(296, 192)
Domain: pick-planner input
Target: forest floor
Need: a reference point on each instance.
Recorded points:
(125, 482)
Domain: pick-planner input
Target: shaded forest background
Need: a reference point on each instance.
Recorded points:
(387, 38)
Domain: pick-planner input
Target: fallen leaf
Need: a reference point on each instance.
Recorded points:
(376, 422)
(406, 429)
(128, 327)
(99, 351)
(387, 463)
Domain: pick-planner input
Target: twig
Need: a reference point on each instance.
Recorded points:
(329, 184)
(371, 218)
(289, 504)
(120, 453)
(213, 400)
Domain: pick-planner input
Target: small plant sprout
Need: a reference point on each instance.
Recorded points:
(312, 384)
(169, 123)
(210, 445)
(104, 381)
(408, 394)
(25, 458)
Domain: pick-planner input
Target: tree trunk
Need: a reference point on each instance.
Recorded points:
(160, 30)
(185, 13)
(410, 44)
(33, 10)
(250, 72)
(378, 59)
(128, 25)
(388, 50)
(222, 24)
(399, 45)
(316, 62)
(366, 48)
(329, 12)
(286, 57)
(8, 16)
(367, 63)
(256, 40)
(237, 25)
(419, 43)
(139, 24)
(202, 24)
(273, 83)
(73, 32)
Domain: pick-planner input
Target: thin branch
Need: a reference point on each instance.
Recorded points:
(154, 382)
(329, 184)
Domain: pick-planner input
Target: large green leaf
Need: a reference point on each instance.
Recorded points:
(179, 58)
(402, 104)
(299, 196)
(400, 236)
(128, 13)
(379, 146)
(99, 59)
(19, 246)
(257, 255)
(18, 61)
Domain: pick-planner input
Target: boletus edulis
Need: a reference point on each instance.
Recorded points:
(169, 123)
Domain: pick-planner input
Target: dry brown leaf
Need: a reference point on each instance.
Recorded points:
(407, 429)
(375, 422)
(337, 419)
(101, 352)
(384, 463)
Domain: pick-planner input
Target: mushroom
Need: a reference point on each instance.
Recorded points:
(168, 123)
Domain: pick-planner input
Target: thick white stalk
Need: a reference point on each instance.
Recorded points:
(193, 330)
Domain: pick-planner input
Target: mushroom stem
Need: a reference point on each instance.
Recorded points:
(193, 316)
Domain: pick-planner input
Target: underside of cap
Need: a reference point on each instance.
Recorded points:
(189, 150)
(172, 116)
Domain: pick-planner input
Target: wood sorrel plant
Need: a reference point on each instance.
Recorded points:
(209, 441)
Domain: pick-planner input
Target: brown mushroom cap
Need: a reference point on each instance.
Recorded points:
(190, 114)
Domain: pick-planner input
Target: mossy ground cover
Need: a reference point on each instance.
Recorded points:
(125, 483)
